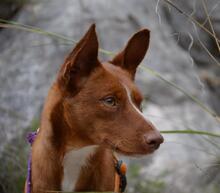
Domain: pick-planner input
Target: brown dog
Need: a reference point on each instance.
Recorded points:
(91, 109)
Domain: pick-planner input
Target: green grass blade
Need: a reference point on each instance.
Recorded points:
(191, 132)
(17, 25)
(28, 28)
(191, 97)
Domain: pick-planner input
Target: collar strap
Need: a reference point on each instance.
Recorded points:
(120, 175)
(30, 138)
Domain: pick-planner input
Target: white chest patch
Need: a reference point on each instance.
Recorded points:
(72, 164)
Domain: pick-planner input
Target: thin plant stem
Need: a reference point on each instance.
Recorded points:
(14, 24)
(195, 99)
(191, 132)
(20, 26)
(210, 23)
(206, 49)
(191, 18)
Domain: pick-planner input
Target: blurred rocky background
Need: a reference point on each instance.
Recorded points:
(180, 51)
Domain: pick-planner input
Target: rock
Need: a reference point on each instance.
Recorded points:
(29, 62)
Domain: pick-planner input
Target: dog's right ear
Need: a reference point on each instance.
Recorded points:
(133, 53)
(80, 62)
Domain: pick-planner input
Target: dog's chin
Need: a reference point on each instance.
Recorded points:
(142, 151)
(135, 153)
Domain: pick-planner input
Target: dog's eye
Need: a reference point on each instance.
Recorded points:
(110, 101)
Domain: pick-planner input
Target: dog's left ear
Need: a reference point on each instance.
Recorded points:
(133, 53)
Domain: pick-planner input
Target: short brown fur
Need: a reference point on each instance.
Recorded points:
(88, 104)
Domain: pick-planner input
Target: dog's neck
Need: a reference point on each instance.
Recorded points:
(71, 157)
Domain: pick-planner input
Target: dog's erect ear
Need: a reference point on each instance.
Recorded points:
(134, 52)
(80, 62)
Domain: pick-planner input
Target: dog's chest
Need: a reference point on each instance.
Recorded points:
(73, 162)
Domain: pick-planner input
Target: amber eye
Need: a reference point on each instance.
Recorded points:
(110, 101)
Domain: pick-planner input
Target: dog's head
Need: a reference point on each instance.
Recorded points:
(101, 103)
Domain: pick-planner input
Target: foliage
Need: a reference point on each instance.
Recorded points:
(140, 185)
(14, 163)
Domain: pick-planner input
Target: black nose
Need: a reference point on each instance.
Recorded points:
(153, 139)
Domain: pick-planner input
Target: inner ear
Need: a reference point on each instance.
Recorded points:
(80, 62)
(133, 53)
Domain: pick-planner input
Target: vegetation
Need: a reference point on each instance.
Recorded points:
(140, 185)
(13, 167)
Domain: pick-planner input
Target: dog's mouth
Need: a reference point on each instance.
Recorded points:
(119, 149)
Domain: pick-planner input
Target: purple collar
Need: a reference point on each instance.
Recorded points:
(30, 138)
